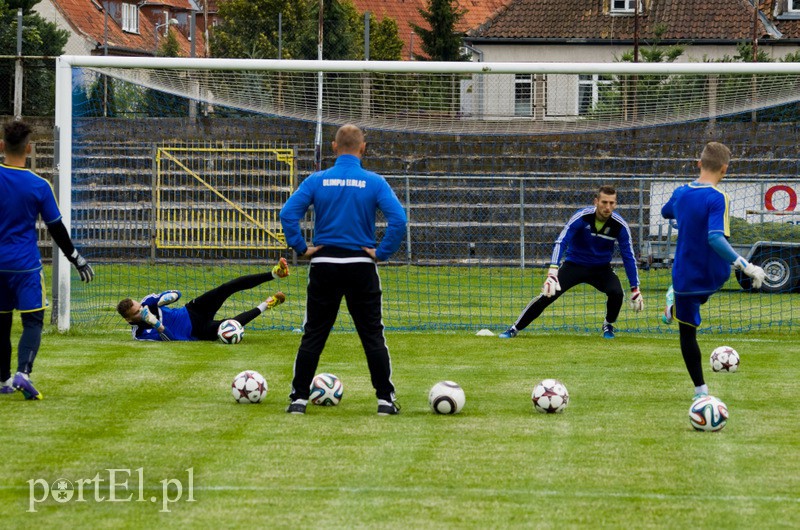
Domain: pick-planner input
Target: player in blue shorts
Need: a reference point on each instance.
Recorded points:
(703, 256)
(152, 320)
(587, 245)
(24, 196)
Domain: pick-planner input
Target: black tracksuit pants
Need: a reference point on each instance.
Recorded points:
(601, 277)
(356, 280)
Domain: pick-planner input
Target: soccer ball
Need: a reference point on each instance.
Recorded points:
(708, 414)
(724, 359)
(550, 396)
(249, 387)
(326, 390)
(446, 397)
(230, 332)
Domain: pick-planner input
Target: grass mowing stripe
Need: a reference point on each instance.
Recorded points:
(622, 454)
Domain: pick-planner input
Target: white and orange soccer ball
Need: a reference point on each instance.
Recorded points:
(550, 396)
(230, 332)
(708, 413)
(249, 387)
(326, 390)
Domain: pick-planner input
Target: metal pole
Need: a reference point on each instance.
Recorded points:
(366, 36)
(18, 72)
(192, 33)
(105, 28)
(408, 221)
(318, 135)
(521, 223)
(280, 35)
(366, 99)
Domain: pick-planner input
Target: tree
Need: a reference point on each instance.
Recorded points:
(385, 43)
(249, 28)
(442, 42)
(39, 37)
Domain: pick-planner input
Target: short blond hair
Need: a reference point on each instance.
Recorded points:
(715, 155)
(349, 138)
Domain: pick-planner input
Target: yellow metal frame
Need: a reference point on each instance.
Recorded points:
(209, 227)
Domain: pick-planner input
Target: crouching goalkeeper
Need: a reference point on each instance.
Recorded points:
(152, 320)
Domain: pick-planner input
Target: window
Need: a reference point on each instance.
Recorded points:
(623, 6)
(130, 18)
(589, 88)
(794, 6)
(523, 95)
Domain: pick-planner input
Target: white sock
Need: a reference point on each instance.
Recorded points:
(385, 403)
(8, 383)
(24, 376)
(702, 389)
(300, 402)
(262, 306)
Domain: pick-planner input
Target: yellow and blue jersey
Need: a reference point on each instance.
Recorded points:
(24, 196)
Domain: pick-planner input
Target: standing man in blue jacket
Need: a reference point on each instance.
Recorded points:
(587, 244)
(344, 257)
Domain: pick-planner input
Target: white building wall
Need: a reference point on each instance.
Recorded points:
(76, 44)
(562, 90)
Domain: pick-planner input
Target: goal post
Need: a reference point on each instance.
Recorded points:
(189, 162)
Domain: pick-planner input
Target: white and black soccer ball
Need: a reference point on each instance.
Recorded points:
(724, 359)
(326, 390)
(550, 396)
(446, 397)
(249, 387)
(230, 331)
(708, 414)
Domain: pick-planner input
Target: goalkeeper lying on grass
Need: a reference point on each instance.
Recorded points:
(153, 320)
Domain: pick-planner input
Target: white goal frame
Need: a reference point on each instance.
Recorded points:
(63, 111)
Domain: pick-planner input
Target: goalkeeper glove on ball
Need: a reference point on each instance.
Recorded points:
(281, 270)
(84, 269)
(637, 302)
(551, 285)
(754, 271)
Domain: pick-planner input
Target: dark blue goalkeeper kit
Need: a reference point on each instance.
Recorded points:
(195, 320)
(345, 199)
(587, 247)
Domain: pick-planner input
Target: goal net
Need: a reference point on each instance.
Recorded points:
(172, 173)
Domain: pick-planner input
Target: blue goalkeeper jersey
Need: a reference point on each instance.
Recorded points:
(345, 199)
(582, 243)
(176, 321)
(24, 196)
(701, 210)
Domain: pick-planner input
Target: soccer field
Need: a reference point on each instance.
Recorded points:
(154, 427)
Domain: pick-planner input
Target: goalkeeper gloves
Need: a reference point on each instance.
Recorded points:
(637, 302)
(168, 297)
(150, 318)
(754, 271)
(551, 285)
(276, 299)
(281, 270)
(84, 269)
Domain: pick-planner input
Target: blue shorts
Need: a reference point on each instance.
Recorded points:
(687, 308)
(23, 291)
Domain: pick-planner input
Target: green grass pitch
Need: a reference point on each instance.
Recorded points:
(622, 454)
